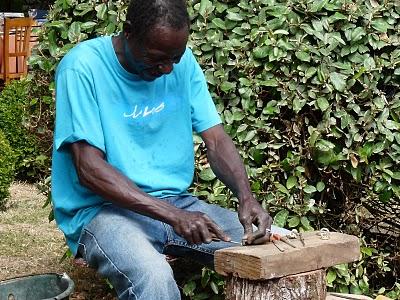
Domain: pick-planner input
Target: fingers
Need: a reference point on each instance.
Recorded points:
(274, 237)
(197, 237)
(248, 231)
(263, 232)
(262, 240)
(201, 229)
(217, 232)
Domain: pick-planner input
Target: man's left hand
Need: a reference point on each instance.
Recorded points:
(251, 212)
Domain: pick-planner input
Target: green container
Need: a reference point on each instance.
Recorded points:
(37, 287)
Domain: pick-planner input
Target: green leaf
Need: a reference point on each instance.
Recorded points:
(379, 147)
(214, 287)
(355, 289)
(325, 145)
(207, 174)
(234, 16)
(322, 103)
(392, 125)
(227, 86)
(343, 268)
(385, 196)
(314, 137)
(356, 173)
(250, 135)
(88, 25)
(320, 186)
(303, 56)
(293, 221)
(291, 182)
(101, 11)
(219, 23)
(281, 217)
(74, 31)
(298, 104)
(381, 25)
(206, 7)
(189, 288)
(331, 276)
(367, 251)
(318, 5)
(337, 16)
(339, 81)
(309, 189)
(261, 52)
(310, 72)
(269, 82)
(281, 188)
(305, 222)
(280, 31)
(357, 34)
(396, 175)
(57, 24)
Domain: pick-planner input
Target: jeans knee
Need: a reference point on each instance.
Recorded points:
(155, 282)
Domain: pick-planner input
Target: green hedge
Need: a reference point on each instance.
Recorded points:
(7, 163)
(309, 91)
(17, 115)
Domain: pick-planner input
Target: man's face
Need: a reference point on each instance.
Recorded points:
(156, 55)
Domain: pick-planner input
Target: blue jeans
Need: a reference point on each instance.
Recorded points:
(129, 248)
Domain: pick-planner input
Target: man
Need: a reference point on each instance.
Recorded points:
(126, 108)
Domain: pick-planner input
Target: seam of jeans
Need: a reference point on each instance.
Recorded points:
(168, 236)
(112, 263)
(172, 242)
(185, 244)
(84, 255)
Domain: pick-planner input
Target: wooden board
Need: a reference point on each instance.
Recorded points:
(266, 261)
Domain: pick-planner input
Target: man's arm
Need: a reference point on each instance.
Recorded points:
(225, 161)
(96, 174)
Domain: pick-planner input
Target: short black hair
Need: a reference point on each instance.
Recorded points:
(144, 15)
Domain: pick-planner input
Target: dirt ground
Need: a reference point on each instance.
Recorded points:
(29, 244)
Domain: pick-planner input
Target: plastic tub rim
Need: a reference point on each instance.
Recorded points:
(64, 277)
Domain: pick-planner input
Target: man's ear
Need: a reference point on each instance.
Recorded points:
(127, 29)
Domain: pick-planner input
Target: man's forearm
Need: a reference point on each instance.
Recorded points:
(100, 177)
(227, 165)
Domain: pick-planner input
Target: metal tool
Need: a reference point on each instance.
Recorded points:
(324, 234)
(286, 241)
(278, 247)
(294, 234)
(302, 239)
(232, 242)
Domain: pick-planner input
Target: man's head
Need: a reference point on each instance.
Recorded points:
(156, 33)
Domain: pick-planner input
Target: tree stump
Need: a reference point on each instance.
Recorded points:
(265, 272)
(305, 286)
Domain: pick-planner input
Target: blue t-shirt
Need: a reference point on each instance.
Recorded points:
(144, 128)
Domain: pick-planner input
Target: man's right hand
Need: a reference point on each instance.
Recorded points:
(197, 228)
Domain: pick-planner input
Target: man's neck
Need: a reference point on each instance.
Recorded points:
(119, 48)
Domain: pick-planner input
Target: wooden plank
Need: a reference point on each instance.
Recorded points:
(266, 261)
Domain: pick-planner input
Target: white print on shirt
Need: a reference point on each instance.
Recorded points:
(137, 112)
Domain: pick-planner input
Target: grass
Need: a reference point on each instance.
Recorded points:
(29, 244)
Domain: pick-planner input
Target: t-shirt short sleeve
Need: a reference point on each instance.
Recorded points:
(77, 111)
(204, 113)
